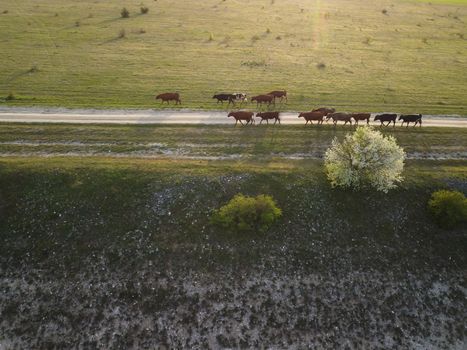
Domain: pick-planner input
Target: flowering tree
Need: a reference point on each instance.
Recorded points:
(365, 158)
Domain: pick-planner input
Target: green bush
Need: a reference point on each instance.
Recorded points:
(247, 214)
(125, 13)
(449, 208)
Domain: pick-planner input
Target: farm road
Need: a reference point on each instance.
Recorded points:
(35, 115)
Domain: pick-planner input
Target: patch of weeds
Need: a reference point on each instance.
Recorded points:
(124, 13)
(10, 97)
(254, 64)
(122, 34)
(144, 10)
(321, 65)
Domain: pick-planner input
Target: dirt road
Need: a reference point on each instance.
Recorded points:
(33, 115)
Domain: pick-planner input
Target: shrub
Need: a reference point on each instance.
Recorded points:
(10, 97)
(365, 158)
(449, 208)
(144, 10)
(33, 69)
(321, 65)
(247, 214)
(125, 13)
(122, 33)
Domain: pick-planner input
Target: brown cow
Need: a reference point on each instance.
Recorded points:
(282, 94)
(325, 110)
(169, 96)
(263, 99)
(361, 116)
(242, 115)
(345, 117)
(310, 116)
(269, 115)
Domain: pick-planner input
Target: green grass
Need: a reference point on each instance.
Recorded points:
(212, 141)
(411, 59)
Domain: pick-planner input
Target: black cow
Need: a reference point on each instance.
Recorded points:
(411, 118)
(386, 117)
(224, 97)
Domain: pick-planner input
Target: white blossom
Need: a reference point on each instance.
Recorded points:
(365, 158)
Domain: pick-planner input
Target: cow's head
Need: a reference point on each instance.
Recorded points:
(378, 117)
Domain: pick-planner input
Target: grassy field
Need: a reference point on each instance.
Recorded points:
(213, 142)
(348, 54)
(112, 253)
(106, 229)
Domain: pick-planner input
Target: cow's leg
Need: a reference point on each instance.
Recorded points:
(306, 122)
(261, 122)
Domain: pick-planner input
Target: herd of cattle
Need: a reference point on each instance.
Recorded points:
(319, 115)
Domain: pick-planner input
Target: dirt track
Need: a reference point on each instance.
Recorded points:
(34, 115)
